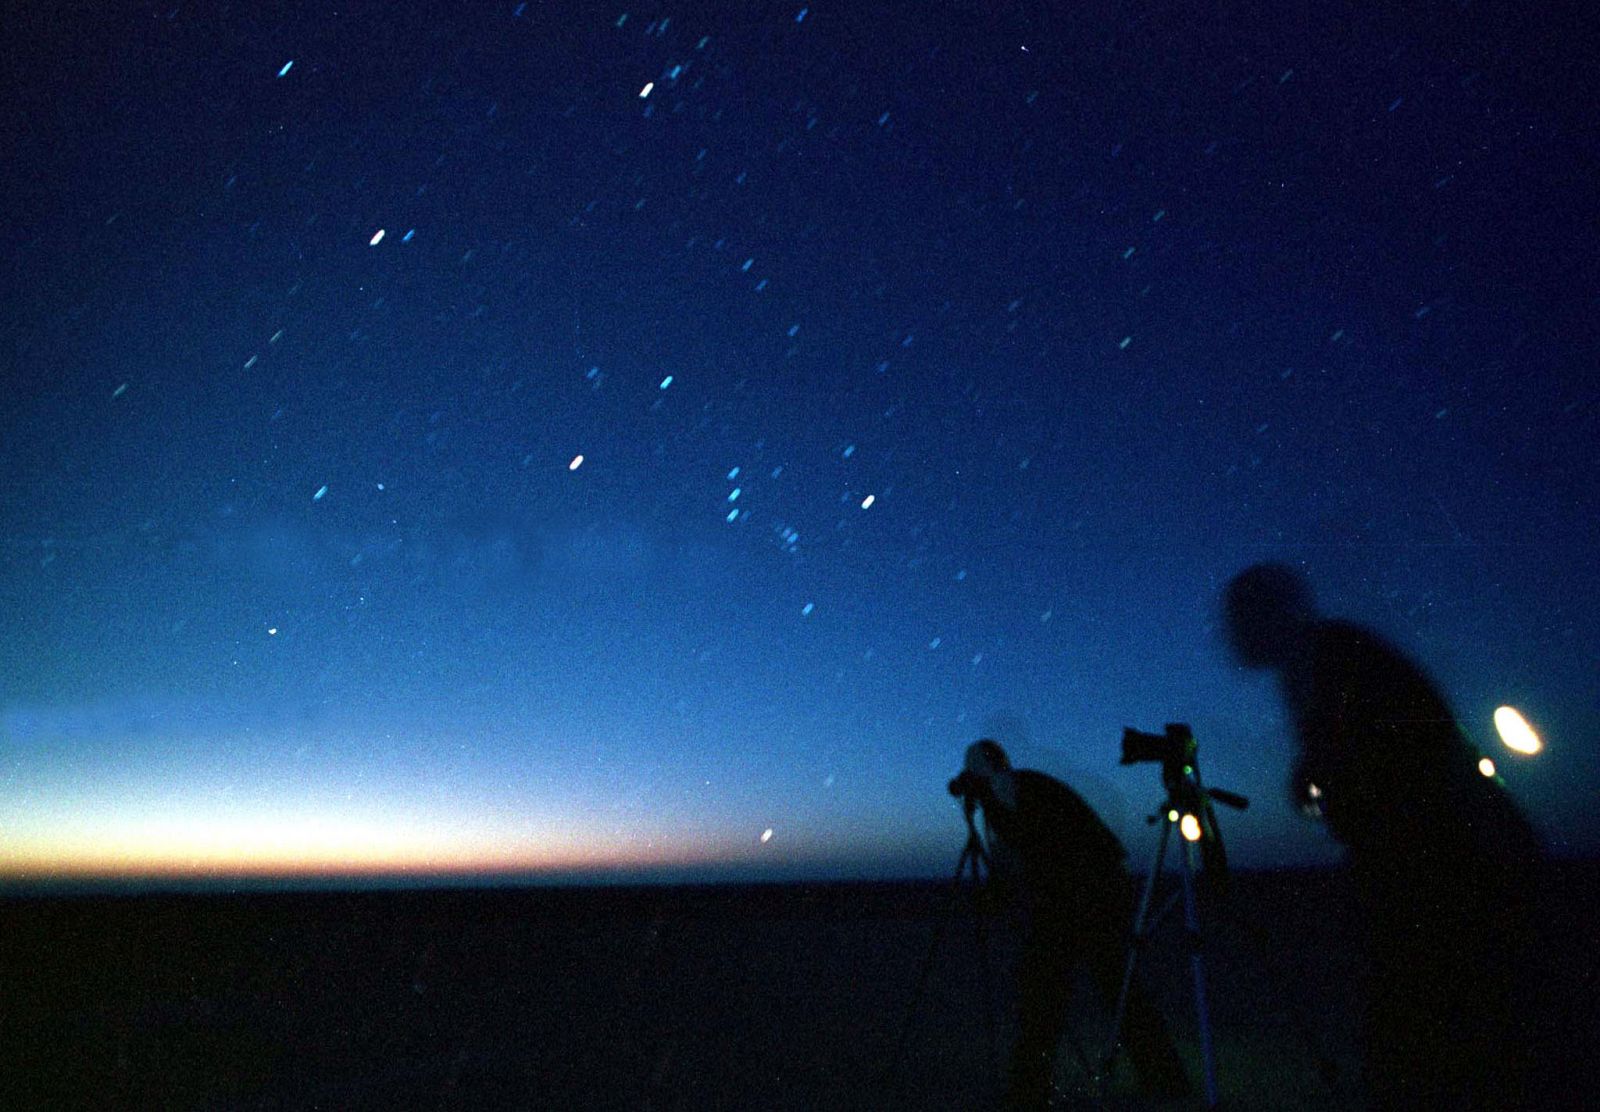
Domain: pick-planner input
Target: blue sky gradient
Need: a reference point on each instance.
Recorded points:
(1096, 310)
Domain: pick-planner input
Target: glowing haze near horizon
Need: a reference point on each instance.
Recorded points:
(930, 375)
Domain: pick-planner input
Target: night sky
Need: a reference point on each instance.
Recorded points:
(572, 440)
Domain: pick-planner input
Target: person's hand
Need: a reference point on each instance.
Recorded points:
(1305, 793)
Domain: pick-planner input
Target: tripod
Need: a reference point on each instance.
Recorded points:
(1188, 807)
(966, 880)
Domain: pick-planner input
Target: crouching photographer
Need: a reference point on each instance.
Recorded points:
(1062, 869)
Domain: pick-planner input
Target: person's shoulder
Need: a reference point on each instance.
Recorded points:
(1067, 814)
(1353, 655)
(1341, 631)
(1047, 790)
(1338, 639)
(1031, 779)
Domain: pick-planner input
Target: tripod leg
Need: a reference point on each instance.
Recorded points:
(980, 929)
(1142, 927)
(892, 1076)
(1191, 927)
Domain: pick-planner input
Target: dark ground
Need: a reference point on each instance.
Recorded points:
(648, 998)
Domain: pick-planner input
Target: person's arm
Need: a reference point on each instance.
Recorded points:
(1319, 726)
(1319, 697)
(1358, 745)
(1005, 886)
(1004, 863)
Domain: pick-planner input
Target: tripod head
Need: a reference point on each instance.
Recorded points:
(1178, 753)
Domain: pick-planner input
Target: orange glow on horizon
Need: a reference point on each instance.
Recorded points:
(291, 847)
(111, 865)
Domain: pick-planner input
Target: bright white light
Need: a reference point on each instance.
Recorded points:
(644, 92)
(866, 503)
(766, 835)
(1516, 733)
(577, 462)
(377, 238)
(1486, 766)
(272, 631)
(1190, 826)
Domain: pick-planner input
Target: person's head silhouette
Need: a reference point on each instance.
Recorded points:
(1268, 609)
(988, 764)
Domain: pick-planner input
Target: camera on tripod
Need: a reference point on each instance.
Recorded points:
(1186, 808)
(1178, 754)
(1188, 802)
(1169, 748)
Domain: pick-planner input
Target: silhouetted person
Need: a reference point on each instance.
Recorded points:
(1444, 864)
(1063, 870)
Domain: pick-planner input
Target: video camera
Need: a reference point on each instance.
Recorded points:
(1170, 748)
(1178, 754)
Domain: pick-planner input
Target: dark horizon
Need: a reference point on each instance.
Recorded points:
(732, 878)
(771, 996)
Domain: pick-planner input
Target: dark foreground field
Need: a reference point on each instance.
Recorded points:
(791, 997)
